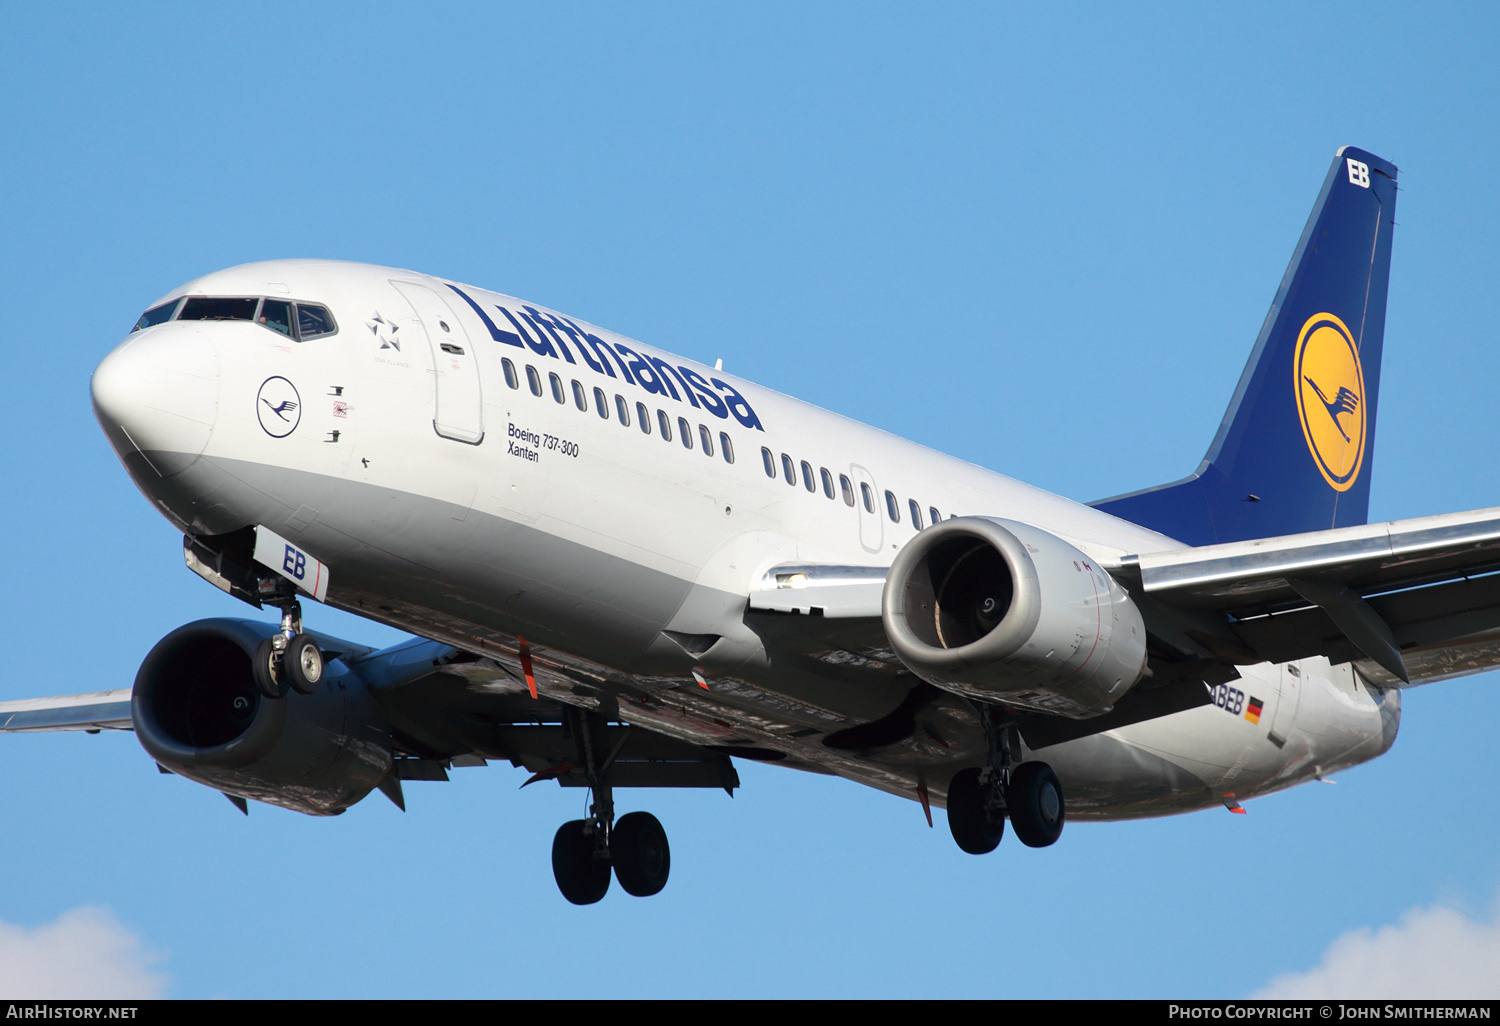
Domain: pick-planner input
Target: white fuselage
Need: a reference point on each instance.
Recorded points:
(448, 500)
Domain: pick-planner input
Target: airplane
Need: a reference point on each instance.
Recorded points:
(627, 569)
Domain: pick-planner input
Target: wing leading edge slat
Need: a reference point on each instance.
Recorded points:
(1368, 558)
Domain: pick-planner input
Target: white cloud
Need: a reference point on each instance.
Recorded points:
(86, 953)
(1431, 953)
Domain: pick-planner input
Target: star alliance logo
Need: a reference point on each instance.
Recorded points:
(385, 331)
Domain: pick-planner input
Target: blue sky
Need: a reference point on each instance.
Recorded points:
(1042, 239)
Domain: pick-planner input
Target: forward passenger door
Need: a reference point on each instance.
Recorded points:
(458, 411)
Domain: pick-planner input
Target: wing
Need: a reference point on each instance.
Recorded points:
(470, 709)
(839, 626)
(1409, 601)
(99, 710)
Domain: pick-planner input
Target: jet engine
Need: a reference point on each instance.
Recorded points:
(1007, 613)
(197, 712)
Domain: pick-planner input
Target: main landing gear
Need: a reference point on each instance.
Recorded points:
(980, 800)
(289, 659)
(585, 851)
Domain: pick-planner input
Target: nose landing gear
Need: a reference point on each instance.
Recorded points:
(289, 659)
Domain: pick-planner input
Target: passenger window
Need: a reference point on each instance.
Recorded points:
(685, 432)
(934, 515)
(534, 380)
(276, 314)
(770, 461)
(827, 481)
(203, 308)
(156, 315)
(644, 416)
(847, 489)
(313, 322)
(510, 373)
(807, 477)
(916, 514)
(665, 423)
(623, 409)
(869, 497)
(557, 388)
(788, 470)
(706, 437)
(726, 447)
(581, 399)
(892, 509)
(601, 403)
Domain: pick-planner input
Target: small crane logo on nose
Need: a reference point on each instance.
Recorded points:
(278, 407)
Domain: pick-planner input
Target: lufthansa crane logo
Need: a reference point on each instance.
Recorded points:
(278, 406)
(1330, 388)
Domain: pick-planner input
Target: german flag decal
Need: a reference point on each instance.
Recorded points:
(1252, 710)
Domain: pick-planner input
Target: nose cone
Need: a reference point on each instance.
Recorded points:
(156, 396)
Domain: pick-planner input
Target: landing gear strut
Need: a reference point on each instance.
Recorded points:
(289, 658)
(980, 800)
(976, 797)
(584, 851)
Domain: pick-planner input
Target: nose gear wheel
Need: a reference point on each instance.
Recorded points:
(266, 669)
(302, 664)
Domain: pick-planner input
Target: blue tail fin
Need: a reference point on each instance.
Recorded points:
(1295, 450)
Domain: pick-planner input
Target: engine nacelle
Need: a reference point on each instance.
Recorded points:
(197, 712)
(1007, 613)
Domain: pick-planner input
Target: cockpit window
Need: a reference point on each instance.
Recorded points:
(301, 321)
(208, 308)
(313, 321)
(156, 315)
(276, 314)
